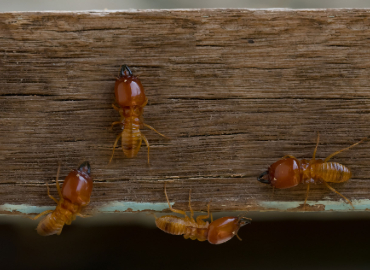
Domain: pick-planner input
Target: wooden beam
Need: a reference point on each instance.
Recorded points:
(235, 90)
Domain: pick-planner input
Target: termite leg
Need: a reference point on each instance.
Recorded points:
(169, 205)
(115, 123)
(152, 214)
(51, 197)
(317, 144)
(60, 231)
(58, 186)
(138, 147)
(288, 156)
(147, 144)
(120, 110)
(238, 237)
(114, 146)
(335, 153)
(115, 107)
(241, 218)
(191, 209)
(305, 200)
(41, 214)
(332, 189)
(146, 101)
(83, 216)
(155, 131)
(201, 217)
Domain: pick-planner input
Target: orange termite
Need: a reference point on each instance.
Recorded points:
(131, 99)
(289, 172)
(218, 232)
(74, 195)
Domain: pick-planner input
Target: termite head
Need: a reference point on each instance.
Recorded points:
(77, 186)
(128, 89)
(284, 173)
(225, 228)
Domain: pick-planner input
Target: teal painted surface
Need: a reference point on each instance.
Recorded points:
(337, 206)
(25, 208)
(359, 205)
(110, 207)
(134, 206)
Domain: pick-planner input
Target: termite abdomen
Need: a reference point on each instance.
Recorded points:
(171, 224)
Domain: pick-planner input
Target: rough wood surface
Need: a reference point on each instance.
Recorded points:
(235, 90)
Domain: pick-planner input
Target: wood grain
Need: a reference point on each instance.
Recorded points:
(235, 90)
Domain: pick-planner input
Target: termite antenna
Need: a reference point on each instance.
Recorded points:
(340, 151)
(123, 69)
(244, 220)
(262, 180)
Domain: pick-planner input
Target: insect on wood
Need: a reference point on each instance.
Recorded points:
(289, 172)
(216, 232)
(74, 195)
(130, 96)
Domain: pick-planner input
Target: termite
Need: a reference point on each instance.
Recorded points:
(74, 195)
(216, 232)
(289, 172)
(130, 96)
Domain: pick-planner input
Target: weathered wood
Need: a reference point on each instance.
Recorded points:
(235, 90)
